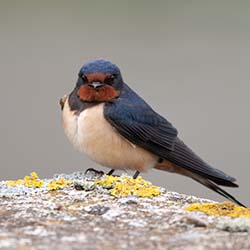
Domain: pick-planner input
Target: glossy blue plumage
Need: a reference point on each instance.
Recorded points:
(100, 66)
(139, 121)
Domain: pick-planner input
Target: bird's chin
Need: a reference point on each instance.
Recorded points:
(102, 94)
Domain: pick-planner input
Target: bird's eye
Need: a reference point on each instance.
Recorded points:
(81, 80)
(84, 78)
(110, 79)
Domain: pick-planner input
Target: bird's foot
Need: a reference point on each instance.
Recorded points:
(93, 173)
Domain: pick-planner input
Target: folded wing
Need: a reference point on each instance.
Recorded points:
(139, 123)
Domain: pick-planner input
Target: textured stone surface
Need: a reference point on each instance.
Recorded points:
(78, 218)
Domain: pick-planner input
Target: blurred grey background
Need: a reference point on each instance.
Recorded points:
(189, 59)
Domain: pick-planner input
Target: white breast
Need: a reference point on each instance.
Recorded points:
(91, 134)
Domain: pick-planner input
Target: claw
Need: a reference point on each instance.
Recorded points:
(94, 173)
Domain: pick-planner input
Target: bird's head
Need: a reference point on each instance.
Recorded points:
(99, 81)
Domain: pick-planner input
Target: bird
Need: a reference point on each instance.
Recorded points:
(111, 124)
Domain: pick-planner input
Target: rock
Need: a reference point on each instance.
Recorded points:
(236, 225)
(84, 215)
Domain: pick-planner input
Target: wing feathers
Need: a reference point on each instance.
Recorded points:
(140, 124)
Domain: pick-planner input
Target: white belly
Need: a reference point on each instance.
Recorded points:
(91, 134)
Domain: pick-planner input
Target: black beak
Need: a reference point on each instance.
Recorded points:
(96, 85)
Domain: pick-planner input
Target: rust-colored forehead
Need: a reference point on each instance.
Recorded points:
(100, 77)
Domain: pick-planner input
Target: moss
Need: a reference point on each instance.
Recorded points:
(220, 209)
(125, 186)
(31, 180)
(58, 184)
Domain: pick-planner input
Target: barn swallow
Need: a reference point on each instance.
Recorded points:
(115, 127)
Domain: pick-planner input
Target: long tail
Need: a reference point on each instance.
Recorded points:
(204, 180)
(185, 162)
(211, 185)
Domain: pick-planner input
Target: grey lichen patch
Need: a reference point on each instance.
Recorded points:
(235, 225)
(97, 210)
(86, 216)
(85, 185)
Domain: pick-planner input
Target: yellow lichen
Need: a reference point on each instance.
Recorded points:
(125, 185)
(13, 183)
(220, 209)
(31, 180)
(108, 181)
(58, 184)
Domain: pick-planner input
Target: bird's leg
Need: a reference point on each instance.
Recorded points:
(110, 172)
(136, 174)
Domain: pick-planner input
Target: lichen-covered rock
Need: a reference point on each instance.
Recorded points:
(236, 225)
(29, 181)
(221, 209)
(125, 186)
(80, 211)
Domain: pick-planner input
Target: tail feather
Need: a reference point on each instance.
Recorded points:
(225, 183)
(204, 180)
(184, 157)
(211, 185)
